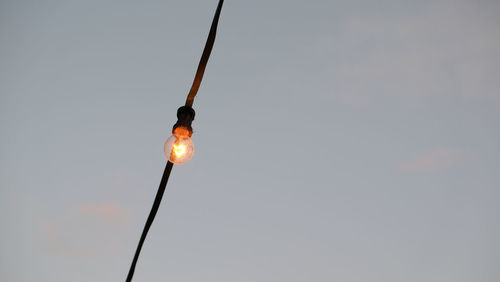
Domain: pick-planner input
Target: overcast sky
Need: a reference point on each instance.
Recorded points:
(348, 141)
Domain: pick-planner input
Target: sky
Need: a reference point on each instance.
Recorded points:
(339, 140)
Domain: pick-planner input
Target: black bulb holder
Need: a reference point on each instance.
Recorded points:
(185, 116)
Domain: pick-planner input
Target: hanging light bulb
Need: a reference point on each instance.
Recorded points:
(179, 147)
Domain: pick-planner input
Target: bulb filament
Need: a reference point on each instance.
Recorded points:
(179, 149)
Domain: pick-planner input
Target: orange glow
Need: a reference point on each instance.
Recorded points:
(182, 131)
(179, 149)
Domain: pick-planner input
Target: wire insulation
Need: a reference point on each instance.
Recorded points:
(151, 217)
(204, 57)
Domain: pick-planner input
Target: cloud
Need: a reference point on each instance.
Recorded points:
(434, 160)
(447, 48)
(106, 212)
(87, 230)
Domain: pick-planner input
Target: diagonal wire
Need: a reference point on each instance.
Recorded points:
(151, 217)
(204, 57)
(168, 168)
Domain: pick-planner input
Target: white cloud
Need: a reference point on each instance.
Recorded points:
(448, 48)
(88, 230)
(107, 212)
(434, 160)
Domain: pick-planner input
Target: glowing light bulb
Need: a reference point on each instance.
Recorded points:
(179, 147)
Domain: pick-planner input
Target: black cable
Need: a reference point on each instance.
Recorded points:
(151, 217)
(204, 57)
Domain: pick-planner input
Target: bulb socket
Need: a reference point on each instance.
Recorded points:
(185, 116)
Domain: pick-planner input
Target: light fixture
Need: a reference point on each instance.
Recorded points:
(179, 147)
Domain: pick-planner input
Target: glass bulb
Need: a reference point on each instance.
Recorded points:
(179, 147)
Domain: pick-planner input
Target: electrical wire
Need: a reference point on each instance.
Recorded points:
(204, 57)
(168, 168)
(151, 217)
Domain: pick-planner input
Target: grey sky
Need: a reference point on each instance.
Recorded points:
(334, 141)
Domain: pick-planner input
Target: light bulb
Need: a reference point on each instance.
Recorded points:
(179, 147)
